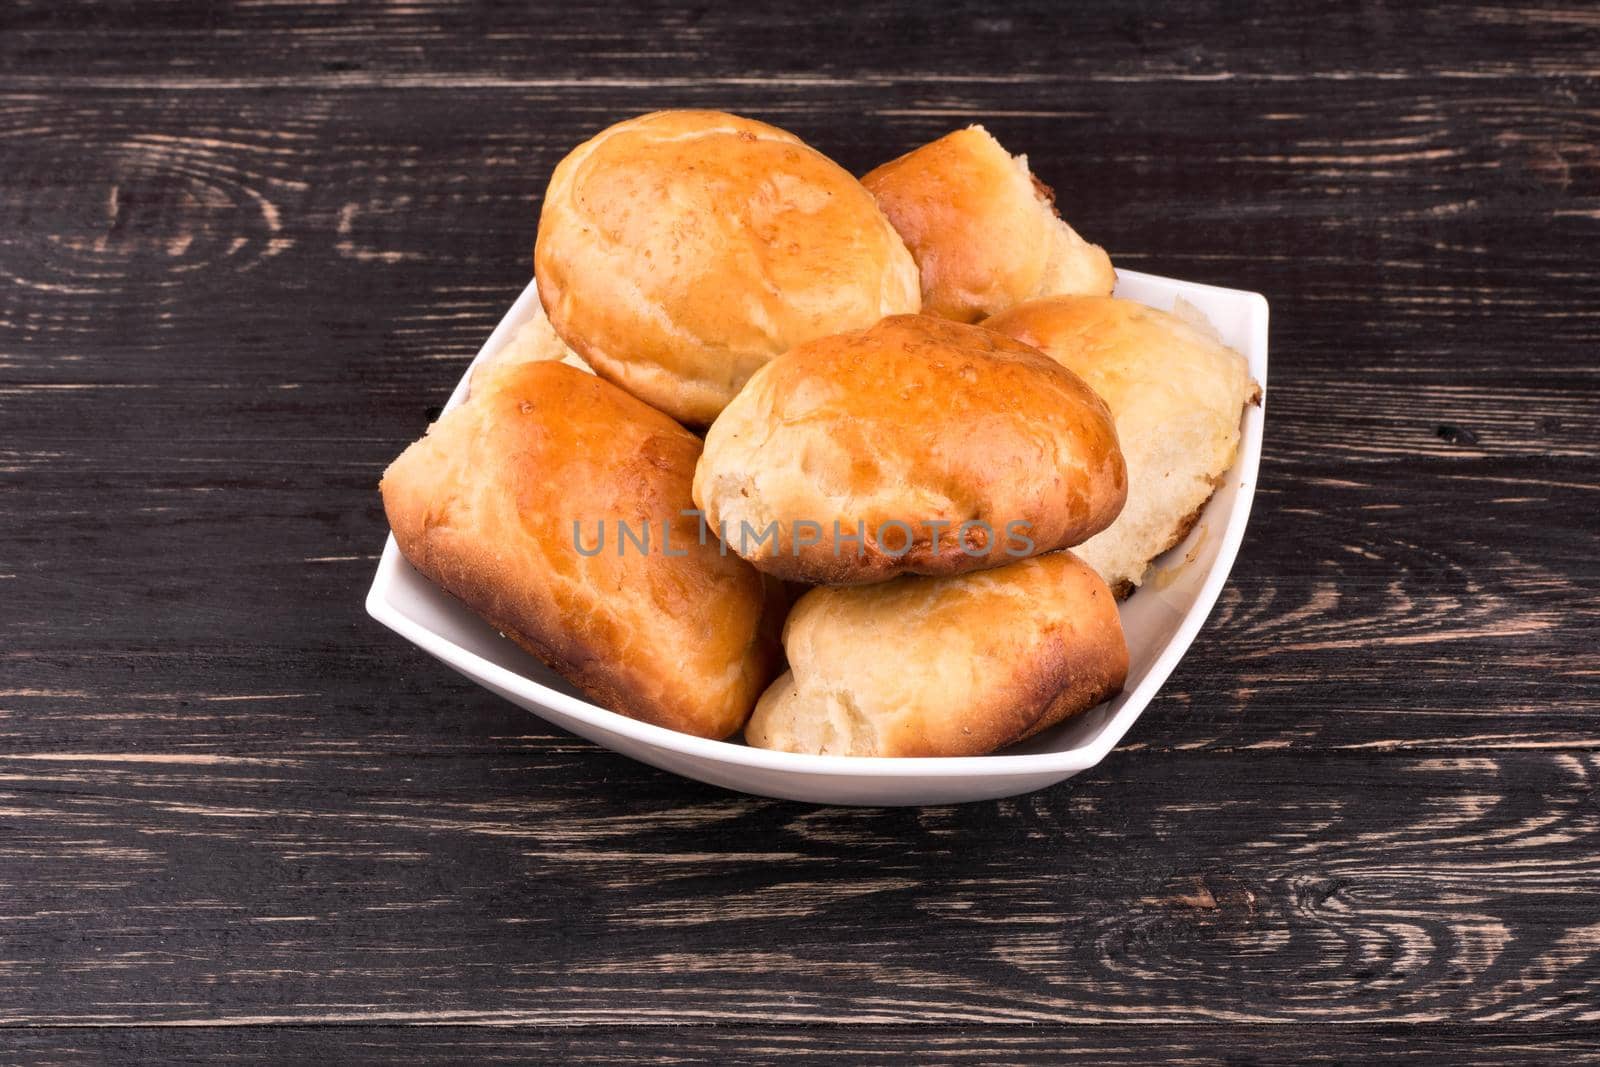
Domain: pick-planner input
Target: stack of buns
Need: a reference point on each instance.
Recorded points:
(856, 467)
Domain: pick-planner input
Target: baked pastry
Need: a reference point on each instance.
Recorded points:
(534, 341)
(984, 231)
(919, 445)
(1177, 393)
(514, 503)
(944, 666)
(681, 250)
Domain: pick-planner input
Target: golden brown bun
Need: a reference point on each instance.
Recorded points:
(915, 420)
(983, 230)
(484, 506)
(944, 666)
(1177, 393)
(681, 250)
(534, 341)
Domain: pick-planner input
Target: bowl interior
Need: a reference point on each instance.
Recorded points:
(1160, 619)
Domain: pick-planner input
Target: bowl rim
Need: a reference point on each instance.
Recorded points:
(1064, 762)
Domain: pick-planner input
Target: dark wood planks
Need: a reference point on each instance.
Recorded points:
(660, 45)
(1114, 1045)
(541, 889)
(244, 252)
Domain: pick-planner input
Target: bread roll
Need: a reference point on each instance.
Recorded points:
(944, 666)
(916, 421)
(534, 341)
(485, 506)
(1177, 393)
(983, 230)
(681, 250)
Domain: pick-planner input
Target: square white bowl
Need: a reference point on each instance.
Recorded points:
(1160, 620)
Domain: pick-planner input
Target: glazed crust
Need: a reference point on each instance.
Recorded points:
(1177, 393)
(484, 506)
(984, 232)
(681, 250)
(917, 420)
(944, 666)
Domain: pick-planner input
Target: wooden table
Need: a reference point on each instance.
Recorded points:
(246, 249)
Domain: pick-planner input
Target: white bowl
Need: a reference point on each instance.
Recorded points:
(1160, 620)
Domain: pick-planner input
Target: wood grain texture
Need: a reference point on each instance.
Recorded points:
(1125, 1045)
(245, 251)
(1348, 888)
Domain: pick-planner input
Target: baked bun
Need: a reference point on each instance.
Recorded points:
(983, 230)
(681, 250)
(901, 434)
(534, 341)
(944, 666)
(486, 506)
(1177, 393)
